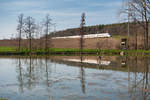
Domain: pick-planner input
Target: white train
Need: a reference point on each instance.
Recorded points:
(101, 35)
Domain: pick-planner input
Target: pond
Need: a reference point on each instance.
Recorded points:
(75, 78)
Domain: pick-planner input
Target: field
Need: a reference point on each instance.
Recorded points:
(92, 43)
(69, 46)
(89, 43)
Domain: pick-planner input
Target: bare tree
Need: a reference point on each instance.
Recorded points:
(29, 29)
(38, 35)
(20, 29)
(140, 10)
(47, 24)
(136, 35)
(82, 31)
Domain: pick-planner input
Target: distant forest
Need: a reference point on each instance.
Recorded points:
(113, 29)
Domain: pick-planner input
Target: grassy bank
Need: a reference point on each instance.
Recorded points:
(7, 49)
(3, 99)
(14, 51)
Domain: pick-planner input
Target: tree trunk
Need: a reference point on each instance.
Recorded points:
(46, 43)
(19, 40)
(30, 42)
(146, 36)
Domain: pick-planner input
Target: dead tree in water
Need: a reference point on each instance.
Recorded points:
(47, 24)
(82, 31)
(20, 29)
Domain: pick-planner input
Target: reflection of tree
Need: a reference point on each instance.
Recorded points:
(30, 75)
(35, 72)
(146, 81)
(99, 59)
(48, 72)
(139, 88)
(123, 61)
(82, 75)
(20, 75)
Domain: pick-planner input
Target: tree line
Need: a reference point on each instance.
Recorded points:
(27, 28)
(138, 12)
(114, 29)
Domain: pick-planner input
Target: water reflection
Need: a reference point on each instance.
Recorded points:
(137, 68)
(32, 72)
(83, 77)
(139, 80)
(20, 76)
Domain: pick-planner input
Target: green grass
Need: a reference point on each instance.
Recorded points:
(3, 99)
(7, 49)
(14, 50)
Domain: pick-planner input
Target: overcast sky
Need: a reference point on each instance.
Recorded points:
(65, 13)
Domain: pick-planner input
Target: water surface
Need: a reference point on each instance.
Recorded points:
(75, 78)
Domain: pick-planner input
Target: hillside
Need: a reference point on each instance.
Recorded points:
(113, 29)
